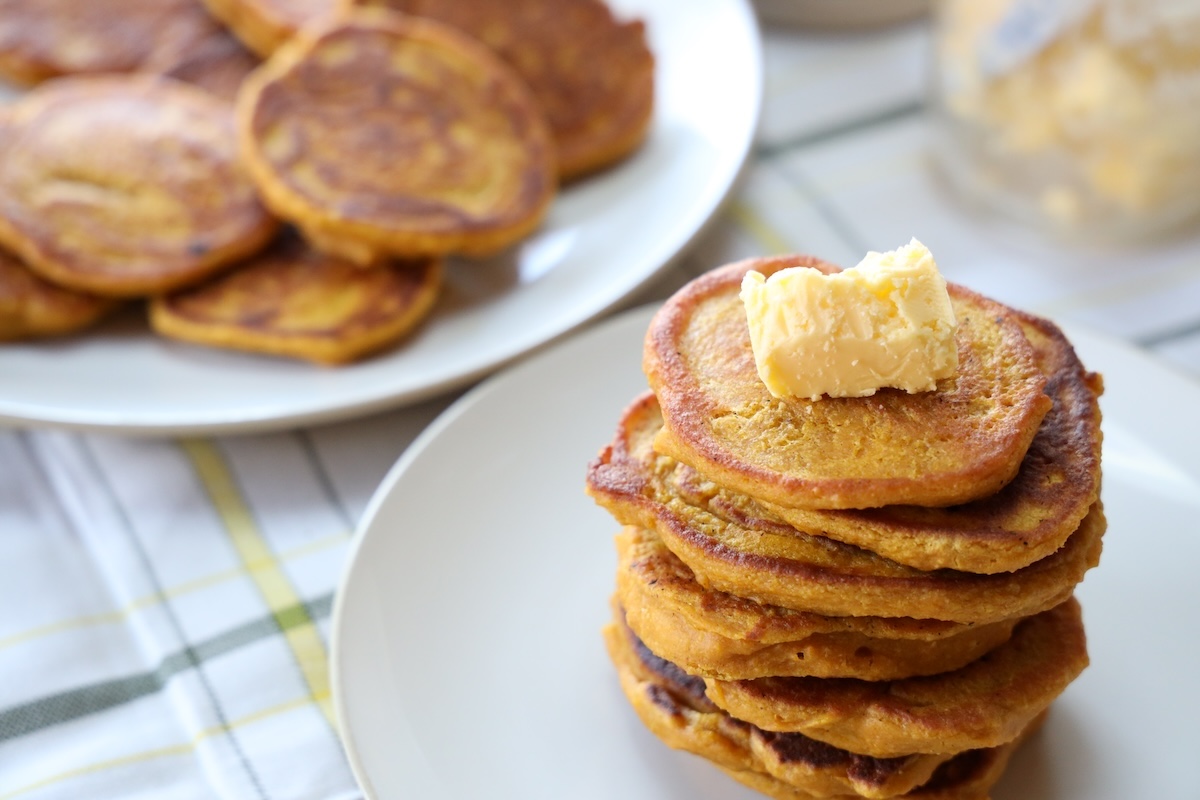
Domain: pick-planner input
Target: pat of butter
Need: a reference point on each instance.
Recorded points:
(884, 323)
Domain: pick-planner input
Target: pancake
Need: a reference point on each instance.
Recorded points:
(31, 307)
(984, 704)
(42, 39)
(218, 63)
(264, 25)
(734, 545)
(592, 74)
(962, 442)
(293, 301)
(719, 635)
(125, 185)
(450, 152)
(1028, 519)
(673, 706)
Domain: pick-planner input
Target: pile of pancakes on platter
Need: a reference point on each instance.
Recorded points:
(288, 177)
(859, 596)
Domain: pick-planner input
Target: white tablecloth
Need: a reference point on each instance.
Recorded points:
(165, 604)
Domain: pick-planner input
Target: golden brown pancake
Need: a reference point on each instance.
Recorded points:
(41, 39)
(294, 301)
(1028, 519)
(673, 706)
(719, 635)
(734, 545)
(263, 25)
(125, 185)
(961, 442)
(386, 134)
(984, 704)
(31, 307)
(592, 74)
(218, 63)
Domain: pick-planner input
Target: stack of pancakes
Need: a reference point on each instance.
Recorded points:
(854, 596)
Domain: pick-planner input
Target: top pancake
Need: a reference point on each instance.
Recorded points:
(125, 185)
(41, 39)
(450, 153)
(1028, 519)
(592, 74)
(962, 442)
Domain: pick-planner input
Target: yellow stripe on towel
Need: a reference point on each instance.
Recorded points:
(264, 569)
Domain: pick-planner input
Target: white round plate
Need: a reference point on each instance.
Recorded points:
(605, 236)
(467, 658)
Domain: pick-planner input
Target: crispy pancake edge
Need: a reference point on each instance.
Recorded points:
(676, 711)
(687, 624)
(627, 488)
(167, 319)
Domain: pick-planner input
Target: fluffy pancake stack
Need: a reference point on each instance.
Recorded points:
(302, 205)
(859, 597)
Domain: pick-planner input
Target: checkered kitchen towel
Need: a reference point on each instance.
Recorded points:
(165, 609)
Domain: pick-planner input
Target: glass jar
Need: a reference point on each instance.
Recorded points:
(1082, 116)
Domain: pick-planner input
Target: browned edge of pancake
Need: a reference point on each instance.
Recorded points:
(719, 635)
(264, 25)
(32, 307)
(263, 289)
(673, 706)
(1028, 519)
(721, 552)
(984, 704)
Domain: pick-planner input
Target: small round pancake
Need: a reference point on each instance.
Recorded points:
(386, 134)
(31, 307)
(41, 39)
(294, 301)
(733, 545)
(984, 704)
(264, 25)
(218, 64)
(592, 74)
(961, 442)
(126, 185)
(1028, 519)
(719, 635)
(673, 706)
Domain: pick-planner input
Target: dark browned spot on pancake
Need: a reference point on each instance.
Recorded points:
(796, 748)
(956, 771)
(675, 679)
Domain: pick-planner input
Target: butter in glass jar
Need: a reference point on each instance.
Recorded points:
(1080, 116)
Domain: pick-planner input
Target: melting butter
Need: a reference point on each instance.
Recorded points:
(886, 322)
